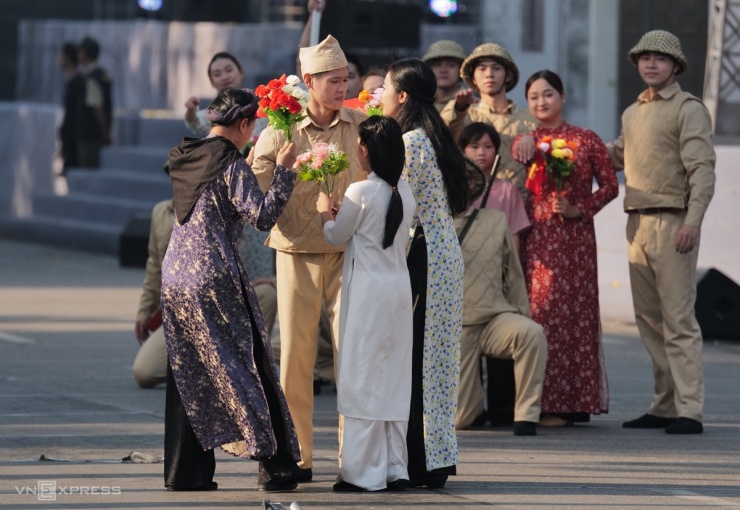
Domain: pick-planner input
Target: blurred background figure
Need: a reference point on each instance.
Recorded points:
(445, 58)
(95, 111)
(73, 87)
(224, 70)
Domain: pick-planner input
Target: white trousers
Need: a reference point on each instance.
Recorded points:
(373, 453)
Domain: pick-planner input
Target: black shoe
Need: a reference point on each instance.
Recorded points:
(648, 421)
(685, 426)
(342, 486)
(525, 428)
(178, 488)
(287, 484)
(396, 485)
(304, 475)
(429, 480)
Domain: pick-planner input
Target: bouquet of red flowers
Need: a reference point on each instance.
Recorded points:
(553, 159)
(283, 102)
(371, 101)
(321, 164)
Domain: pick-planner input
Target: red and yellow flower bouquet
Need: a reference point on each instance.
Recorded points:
(554, 159)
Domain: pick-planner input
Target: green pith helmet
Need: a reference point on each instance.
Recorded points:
(444, 49)
(659, 41)
(495, 52)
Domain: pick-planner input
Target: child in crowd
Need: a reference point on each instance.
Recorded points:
(376, 329)
(481, 142)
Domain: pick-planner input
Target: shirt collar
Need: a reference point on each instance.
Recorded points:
(666, 93)
(509, 109)
(342, 115)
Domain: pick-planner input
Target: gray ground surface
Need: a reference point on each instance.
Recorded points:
(66, 347)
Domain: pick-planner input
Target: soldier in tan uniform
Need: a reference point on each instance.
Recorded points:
(668, 159)
(309, 270)
(491, 72)
(496, 321)
(445, 58)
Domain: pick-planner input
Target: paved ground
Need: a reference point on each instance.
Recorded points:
(66, 347)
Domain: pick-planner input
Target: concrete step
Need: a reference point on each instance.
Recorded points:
(148, 160)
(162, 132)
(87, 207)
(59, 231)
(121, 183)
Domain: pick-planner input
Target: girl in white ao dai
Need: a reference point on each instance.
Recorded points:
(375, 329)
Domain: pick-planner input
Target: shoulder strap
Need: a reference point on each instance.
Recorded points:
(467, 226)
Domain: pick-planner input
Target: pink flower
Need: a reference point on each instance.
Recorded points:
(321, 149)
(302, 158)
(317, 162)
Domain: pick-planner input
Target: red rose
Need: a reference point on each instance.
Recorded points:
(274, 105)
(284, 99)
(262, 91)
(294, 106)
(274, 85)
(264, 102)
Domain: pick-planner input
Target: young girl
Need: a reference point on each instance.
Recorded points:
(375, 329)
(481, 143)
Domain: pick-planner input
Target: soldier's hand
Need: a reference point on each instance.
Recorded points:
(686, 238)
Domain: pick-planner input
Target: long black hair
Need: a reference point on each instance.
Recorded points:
(417, 79)
(385, 149)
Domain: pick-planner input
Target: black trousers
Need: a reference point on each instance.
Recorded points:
(501, 391)
(187, 465)
(417, 264)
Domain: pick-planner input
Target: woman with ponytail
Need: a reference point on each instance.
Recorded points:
(375, 326)
(222, 386)
(435, 170)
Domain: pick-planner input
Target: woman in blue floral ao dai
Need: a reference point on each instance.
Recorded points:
(435, 170)
(222, 387)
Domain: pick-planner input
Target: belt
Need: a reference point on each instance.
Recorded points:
(656, 210)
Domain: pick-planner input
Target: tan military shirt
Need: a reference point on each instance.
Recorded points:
(163, 218)
(299, 228)
(512, 123)
(667, 153)
(441, 100)
(494, 281)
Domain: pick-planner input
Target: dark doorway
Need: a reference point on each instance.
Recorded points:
(687, 19)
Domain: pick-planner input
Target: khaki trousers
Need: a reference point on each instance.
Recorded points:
(663, 293)
(150, 364)
(508, 336)
(304, 280)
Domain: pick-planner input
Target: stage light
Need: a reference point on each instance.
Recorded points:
(150, 5)
(443, 8)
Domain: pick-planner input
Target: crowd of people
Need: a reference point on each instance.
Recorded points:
(432, 256)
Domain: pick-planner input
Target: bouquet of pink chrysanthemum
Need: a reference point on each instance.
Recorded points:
(371, 100)
(321, 164)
